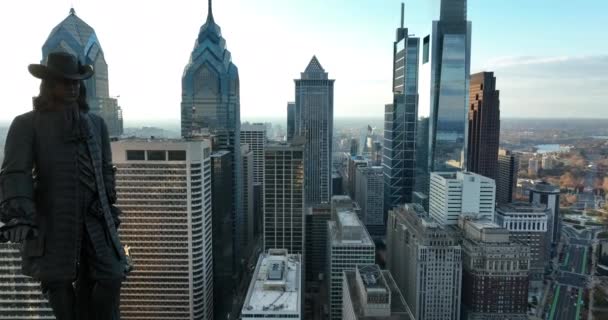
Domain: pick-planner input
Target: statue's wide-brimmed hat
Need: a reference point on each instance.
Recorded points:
(61, 65)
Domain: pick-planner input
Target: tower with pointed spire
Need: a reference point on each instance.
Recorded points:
(314, 121)
(76, 37)
(210, 106)
(399, 153)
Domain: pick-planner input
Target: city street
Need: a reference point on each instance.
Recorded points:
(571, 277)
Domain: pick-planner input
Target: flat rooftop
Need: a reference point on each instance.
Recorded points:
(399, 310)
(275, 287)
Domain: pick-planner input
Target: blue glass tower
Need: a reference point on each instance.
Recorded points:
(399, 154)
(210, 105)
(76, 37)
(445, 71)
(314, 120)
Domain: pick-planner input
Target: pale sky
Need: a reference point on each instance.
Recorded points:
(548, 55)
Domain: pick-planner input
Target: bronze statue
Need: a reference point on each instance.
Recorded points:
(57, 195)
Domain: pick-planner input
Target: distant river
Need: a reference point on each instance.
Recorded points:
(546, 148)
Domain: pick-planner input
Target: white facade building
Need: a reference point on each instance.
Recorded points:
(276, 289)
(349, 245)
(164, 191)
(255, 136)
(425, 259)
(456, 193)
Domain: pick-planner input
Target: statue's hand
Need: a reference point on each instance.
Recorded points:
(19, 233)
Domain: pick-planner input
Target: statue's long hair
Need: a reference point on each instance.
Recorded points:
(45, 102)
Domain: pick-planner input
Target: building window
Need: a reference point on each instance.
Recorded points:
(177, 155)
(135, 155)
(157, 155)
(425, 49)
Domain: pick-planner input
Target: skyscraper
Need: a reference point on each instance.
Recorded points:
(506, 177)
(291, 120)
(484, 125)
(316, 241)
(284, 196)
(495, 272)
(315, 122)
(255, 136)
(399, 154)
(369, 196)
(223, 245)
(349, 245)
(547, 194)
(248, 196)
(210, 102)
(76, 37)
(456, 193)
(164, 190)
(425, 259)
(527, 223)
(444, 92)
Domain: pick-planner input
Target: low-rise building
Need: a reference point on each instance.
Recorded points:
(370, 293)
(276, 287)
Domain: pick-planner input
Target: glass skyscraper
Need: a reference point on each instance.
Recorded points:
(210, 106)
(444, 87)
(399, 154)
(314, 121)
(76, 37)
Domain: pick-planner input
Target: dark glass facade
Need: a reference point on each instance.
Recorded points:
(291, 120)
(76, 37)
(399, 153)
(211, 105)
(315, 121)
(484, 125)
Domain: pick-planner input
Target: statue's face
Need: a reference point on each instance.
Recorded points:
(66, 90)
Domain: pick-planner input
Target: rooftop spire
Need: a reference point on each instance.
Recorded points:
(210, 11)
(402, 14)
(72, 11)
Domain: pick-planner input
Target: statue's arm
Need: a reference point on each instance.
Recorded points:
(109, 172)
(16, 182)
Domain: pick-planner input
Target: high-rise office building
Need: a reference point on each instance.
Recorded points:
(371, 294)
(248, 171)
(528, 223)
(425, 260)
(164, 190)
(533, 166)
(484, 125)
(76, 37)
(547, 194)
(444, 94)
(369, 196)
(349, 246)
(495, 272)
(291, 120)
(20, 296)
(315, 122)
(354, 147)
(284, 196)
(506, 177)
(352, 165)
(316, 241)
(255, 136)
(276, 290)
(399, 154)
(223, 246)
(211, 104)
(456, 193)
